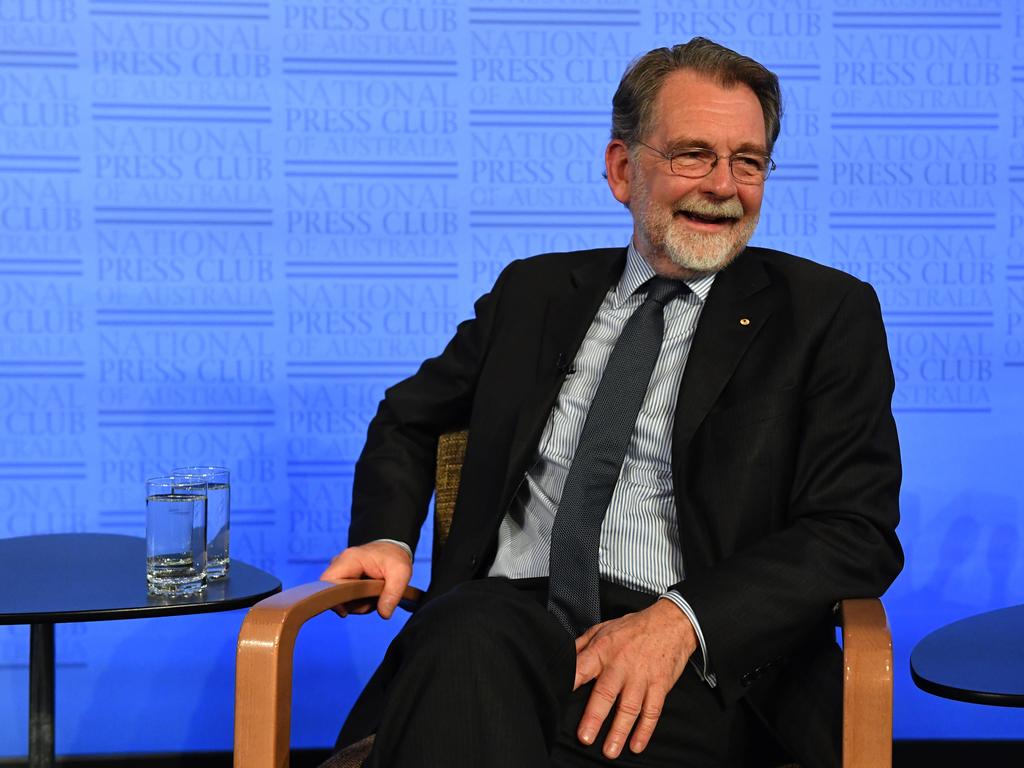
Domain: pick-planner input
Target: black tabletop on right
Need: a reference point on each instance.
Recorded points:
(978, 660)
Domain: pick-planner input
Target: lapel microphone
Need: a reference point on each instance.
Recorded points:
(564, 365)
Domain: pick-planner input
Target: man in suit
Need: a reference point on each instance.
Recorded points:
(758, 488)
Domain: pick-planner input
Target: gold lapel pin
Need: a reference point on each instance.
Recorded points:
(744, 321)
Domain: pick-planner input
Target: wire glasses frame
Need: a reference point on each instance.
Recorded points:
(698, 162)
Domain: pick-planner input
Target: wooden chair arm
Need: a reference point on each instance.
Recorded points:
(867, 684)
(266, 644)
(263, 667)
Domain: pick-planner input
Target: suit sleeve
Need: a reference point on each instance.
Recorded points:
(757, 605)
(394, 475)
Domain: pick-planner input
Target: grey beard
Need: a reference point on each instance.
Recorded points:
(706, 252)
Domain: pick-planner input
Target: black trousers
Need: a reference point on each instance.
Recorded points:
(482, 677)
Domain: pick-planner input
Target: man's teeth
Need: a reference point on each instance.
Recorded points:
(702, 217)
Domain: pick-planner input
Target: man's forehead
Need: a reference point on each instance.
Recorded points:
(695, 109)
(685, 87)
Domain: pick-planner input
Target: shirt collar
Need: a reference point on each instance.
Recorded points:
(638, 272)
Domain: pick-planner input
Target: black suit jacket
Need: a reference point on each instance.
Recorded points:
(785, 458)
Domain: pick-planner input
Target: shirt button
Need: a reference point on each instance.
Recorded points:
(473, 561)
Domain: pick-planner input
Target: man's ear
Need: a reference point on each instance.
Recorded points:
(619, 170)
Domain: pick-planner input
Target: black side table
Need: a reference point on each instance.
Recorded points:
(70, 577)
(978, 660)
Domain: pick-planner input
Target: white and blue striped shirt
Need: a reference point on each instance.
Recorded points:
(640, 536)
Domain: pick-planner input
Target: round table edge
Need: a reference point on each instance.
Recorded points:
(184, 608)
(964, 694)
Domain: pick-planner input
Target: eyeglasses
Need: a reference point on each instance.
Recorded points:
(698, 162)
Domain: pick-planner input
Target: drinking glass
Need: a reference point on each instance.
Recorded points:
(176, 534)
(218, 517)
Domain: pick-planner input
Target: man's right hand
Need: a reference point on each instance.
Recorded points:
(376, 560)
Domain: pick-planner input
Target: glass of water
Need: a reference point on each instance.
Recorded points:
(218, 517)
(176, 534)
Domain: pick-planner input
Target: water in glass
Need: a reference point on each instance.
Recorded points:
(218, 517)
(218, 529)
(175, 542)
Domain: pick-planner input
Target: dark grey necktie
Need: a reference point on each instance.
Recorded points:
(576, 533)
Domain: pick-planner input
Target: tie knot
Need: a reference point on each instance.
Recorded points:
(663, 290)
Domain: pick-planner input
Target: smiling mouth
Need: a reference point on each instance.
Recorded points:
(705, 219)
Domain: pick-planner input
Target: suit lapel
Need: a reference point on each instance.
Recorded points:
(736, 310)
(739, 293)
(568, 313)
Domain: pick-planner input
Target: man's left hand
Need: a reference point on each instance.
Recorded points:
(635, 660)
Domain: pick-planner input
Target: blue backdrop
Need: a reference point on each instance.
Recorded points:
(226, 227)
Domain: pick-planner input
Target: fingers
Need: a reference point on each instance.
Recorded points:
(360, 606)
(631, 701)
(649, 716)
(367, 560)
(602, 699)
(345, 565)
(588, 667)
(638, 710)
(396, 579)
(588, 662)
(376, 560)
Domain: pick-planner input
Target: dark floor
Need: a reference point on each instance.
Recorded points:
(906, 754)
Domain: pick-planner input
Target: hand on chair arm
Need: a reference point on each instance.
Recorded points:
(386, 560)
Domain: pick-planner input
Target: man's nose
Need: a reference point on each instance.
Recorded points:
(720, 182)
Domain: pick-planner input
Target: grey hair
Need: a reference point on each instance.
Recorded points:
(633, 103)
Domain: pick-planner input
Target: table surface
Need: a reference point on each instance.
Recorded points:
(64, 577)
(978, 660)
